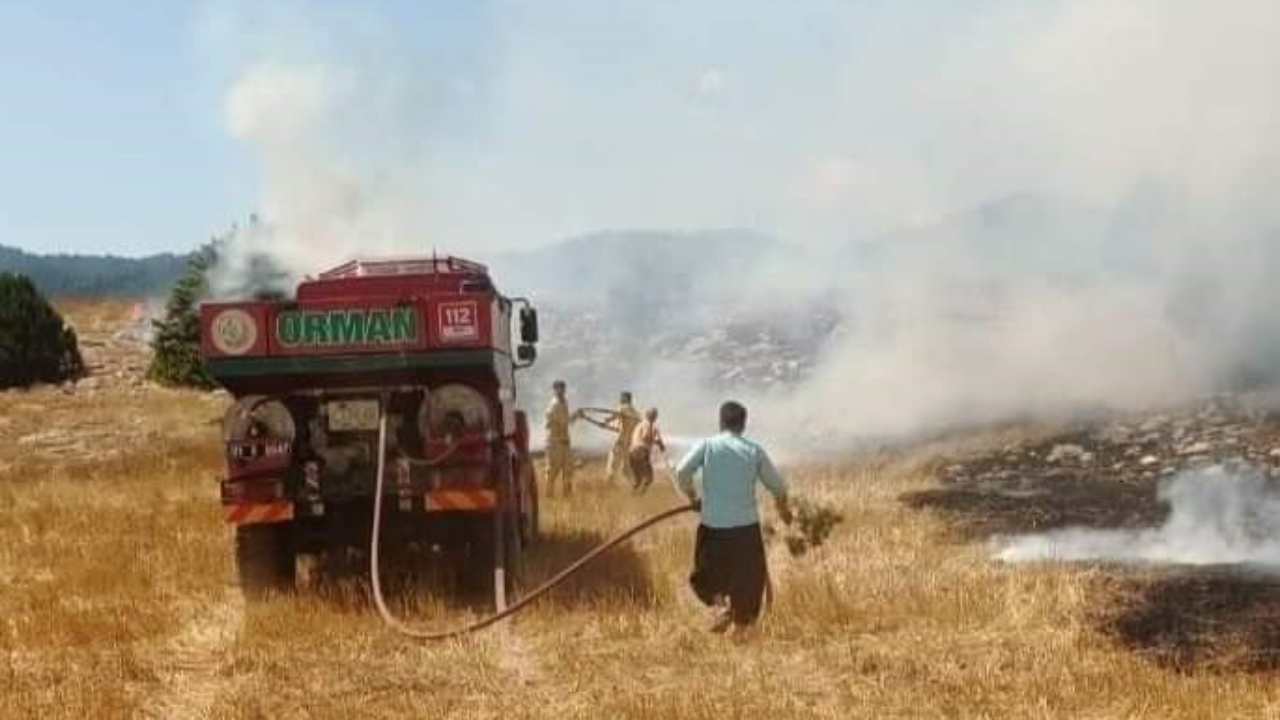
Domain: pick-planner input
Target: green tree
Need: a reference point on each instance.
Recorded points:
(226, 267)
(176, 341)
(35, 344)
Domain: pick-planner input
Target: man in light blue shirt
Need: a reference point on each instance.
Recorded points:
(729, 563)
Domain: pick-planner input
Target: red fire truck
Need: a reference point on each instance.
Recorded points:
(420, 349)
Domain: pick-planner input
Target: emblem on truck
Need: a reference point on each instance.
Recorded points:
(345, 327)
(233, 332)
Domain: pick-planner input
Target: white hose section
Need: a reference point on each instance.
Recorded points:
(374, 576)
(375, 541)
(376, 580)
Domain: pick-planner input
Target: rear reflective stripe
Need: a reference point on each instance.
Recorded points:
(441, 500)
(438, 501)
(254, 513)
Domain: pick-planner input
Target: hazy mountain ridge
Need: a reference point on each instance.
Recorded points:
(641, 268)
(95, 275)
(666, 267)
(738, 307)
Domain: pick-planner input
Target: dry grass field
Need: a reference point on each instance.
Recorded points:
(116, 601)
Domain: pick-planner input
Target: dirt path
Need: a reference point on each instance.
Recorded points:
(190, 665)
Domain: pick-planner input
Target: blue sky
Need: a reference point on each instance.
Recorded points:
(144, 126)
(472, 125)
(109, 141)
(505, 122)
(112, 129)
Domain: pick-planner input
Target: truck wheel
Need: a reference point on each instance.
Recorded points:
(478, 572)
(529, 527)
(515, 536)
(264, 558)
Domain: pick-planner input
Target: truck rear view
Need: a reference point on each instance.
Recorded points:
(422, 344)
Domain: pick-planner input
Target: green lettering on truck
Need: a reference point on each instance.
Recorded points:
(347, 327)
(404, 324)
(379, 330)
(289, 329)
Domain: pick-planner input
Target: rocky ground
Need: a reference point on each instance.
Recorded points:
(114, 346)
(1226, 429)
(602, 354)
(1104, 471)
(759, 351)
(113, 410)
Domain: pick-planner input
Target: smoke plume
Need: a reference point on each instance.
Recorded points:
(1215, 517)
(1013, 208)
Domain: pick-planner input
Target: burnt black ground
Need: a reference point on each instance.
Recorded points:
(978, 512)
(1214, 619)
(1105, 475)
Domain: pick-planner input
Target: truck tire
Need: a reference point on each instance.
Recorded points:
(264, 559)
(477, 573)
(529, 528)
(515, 536)
(477, 570)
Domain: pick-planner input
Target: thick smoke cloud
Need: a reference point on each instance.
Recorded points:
(1016, 209)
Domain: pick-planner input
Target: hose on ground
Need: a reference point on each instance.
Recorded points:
(397, 625)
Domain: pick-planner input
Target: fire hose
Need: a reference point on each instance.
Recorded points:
(399, 626)
(586, 414)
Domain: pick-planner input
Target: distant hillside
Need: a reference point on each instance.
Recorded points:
(623, 309)
(642, 268)
(95, 275)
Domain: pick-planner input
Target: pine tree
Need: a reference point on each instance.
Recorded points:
(35, 344)
(235, 272)
(176, 341)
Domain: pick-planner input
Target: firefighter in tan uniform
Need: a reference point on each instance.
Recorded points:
(559, 454)
(623, 421)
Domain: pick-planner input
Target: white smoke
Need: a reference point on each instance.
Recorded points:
(1133, 268)
(337, 181)
(1215, 517)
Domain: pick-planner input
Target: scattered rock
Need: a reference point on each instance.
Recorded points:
(1131, 449)
(1153, 424)
(1067, 451)
(1195, 448)
(743, 350)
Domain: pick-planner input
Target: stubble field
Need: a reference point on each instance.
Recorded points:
(117, 600)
